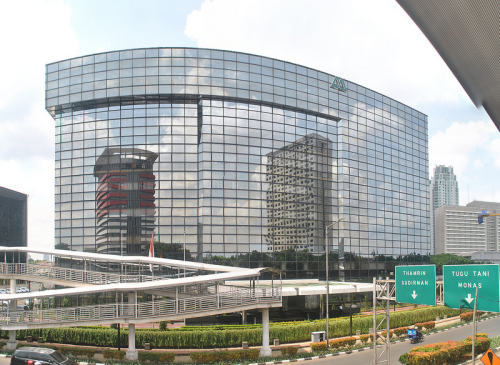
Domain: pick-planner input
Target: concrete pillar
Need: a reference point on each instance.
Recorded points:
(132, 353)
(13, 286)
(265, 350)
(12, 343)
(244, 317)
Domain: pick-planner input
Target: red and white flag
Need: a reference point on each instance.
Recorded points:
(151, 253)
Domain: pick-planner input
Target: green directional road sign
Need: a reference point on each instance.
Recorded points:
(416, 284)
(461, 281)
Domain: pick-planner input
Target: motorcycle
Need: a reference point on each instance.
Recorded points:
(415, 335)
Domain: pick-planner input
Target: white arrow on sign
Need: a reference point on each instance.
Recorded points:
(469, 299)
(415, 295)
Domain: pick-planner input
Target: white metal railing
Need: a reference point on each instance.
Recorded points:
(73, 275)
(228, 301)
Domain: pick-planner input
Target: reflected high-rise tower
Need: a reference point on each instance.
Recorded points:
(125, 200)
(299, 196)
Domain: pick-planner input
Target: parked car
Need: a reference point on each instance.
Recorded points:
(39, 356)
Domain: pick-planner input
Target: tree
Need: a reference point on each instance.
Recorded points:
(174, 251)
(448, 259)
(62, 246)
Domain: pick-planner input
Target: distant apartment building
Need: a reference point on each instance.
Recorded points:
(444, 191)
(457, 229)
(13, 221)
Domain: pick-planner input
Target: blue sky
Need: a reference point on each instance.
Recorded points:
(371, 42)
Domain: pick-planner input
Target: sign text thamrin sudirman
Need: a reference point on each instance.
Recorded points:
(416, 284)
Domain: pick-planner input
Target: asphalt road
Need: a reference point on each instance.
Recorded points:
(491, 327)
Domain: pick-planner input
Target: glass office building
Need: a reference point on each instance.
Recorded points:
(13, 223)
(239, 159)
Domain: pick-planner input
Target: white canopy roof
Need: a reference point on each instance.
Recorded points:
(125, 259)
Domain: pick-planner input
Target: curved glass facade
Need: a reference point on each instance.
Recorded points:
(238, 159)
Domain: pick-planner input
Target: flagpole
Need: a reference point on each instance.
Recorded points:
(151, 254)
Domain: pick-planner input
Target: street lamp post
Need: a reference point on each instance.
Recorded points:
(327, 229)
(184, 252)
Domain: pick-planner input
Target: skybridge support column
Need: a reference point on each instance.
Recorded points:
(132, 353)
(12, 343)
(265, 350)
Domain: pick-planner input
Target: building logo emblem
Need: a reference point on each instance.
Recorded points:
(339, 84)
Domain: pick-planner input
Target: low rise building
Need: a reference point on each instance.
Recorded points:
(458, 231)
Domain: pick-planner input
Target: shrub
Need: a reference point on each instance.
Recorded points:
(401, 331)
(420, 326)
(448, 352)
(318, 346)
(364, 338)
(163, 326)
(160, 357)
(384, 334)
(289, 350)
(429, 325)
(342, 342)
(113, 326)
(482, 342)
(219, 356)
(466, 317)
(113, 354)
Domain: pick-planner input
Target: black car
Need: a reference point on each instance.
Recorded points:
(39, 356)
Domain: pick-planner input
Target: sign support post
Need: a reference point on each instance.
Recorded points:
(474, 330)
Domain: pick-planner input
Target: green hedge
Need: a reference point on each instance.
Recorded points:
(214, 338)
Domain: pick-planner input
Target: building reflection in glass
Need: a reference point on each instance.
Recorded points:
(125, 200)
(299, 196)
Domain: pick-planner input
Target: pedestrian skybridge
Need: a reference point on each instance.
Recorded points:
(101, 289)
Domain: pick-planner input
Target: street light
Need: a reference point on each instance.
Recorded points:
(184, 252)
(327, 229)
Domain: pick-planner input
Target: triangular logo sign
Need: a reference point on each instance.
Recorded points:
(339, 84)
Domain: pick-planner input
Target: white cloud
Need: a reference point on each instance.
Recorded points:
(457, 144)
(34, 33)
(473, 150)
(494, 149)
(374, 44)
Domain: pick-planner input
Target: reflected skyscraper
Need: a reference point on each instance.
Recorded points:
(299, 196)
(125, 200)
